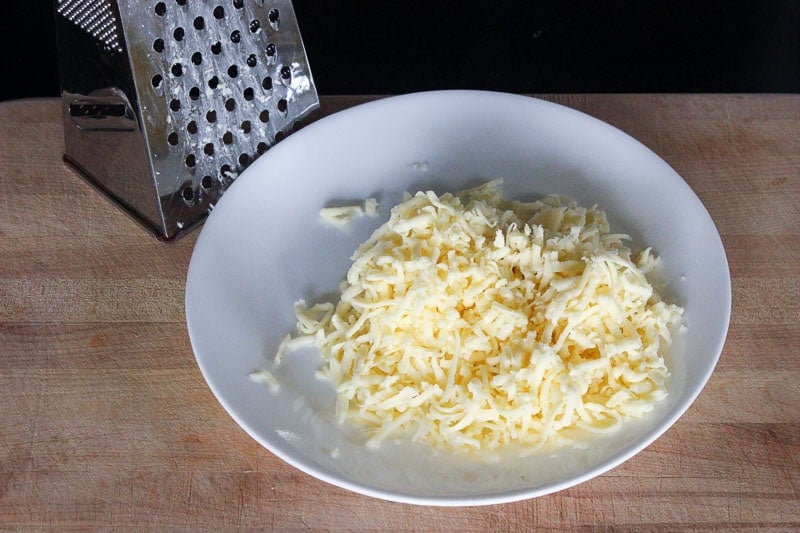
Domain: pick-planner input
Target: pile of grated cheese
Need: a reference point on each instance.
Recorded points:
(471, 323)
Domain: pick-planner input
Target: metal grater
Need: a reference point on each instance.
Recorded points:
(165, 102)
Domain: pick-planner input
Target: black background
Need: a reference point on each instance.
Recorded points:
(534, 46)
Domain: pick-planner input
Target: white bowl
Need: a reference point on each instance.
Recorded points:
(264, 247)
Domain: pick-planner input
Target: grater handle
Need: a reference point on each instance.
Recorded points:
(102, 114)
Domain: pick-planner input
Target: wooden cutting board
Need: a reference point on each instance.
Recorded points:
(105, 420)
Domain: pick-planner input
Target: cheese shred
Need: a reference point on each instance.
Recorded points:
(471, 323)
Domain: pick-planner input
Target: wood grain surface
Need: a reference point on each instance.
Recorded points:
(106, 421)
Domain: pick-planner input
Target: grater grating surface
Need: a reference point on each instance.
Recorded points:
(165, 113)
(94, 17)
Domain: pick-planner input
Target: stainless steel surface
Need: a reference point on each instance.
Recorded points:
(165, 102)
(94, 17)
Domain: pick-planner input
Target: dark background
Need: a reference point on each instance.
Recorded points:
(534, 46)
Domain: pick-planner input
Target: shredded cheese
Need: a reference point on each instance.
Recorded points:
(346, 213)
(469, 323)
(267, 378)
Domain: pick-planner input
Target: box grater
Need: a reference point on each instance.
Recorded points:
(166, 101)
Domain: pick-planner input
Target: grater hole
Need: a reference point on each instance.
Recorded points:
(207, 182)
(175, 104)
(227, 138)
(274, 18)
(246, 126)
(208, 149)
(255, 25)
(161, 9)
(213, 82)
(225, 171)
(272, 51)
(283, 105)
(244, 159)
(197, 58)
(236, 36)
(211, 116)
(238, 4)
(248, 94)
(252, 61)
(261, 148)
(216, 48)
(177, 69)
(191, 161)
(180, 2)
(230, 104)
(266, 83)
(172, 138)
(199, 23)
(157, 80)
(158, 45)
(233, 71)
(264, 116)
(286, 73)
(219, 12)
(188, 194)
(280, 136)
(178, 34)
(191, 127)
(194, 93)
